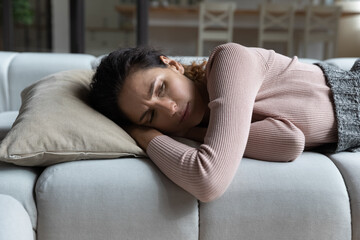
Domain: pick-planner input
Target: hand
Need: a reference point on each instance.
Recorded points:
(142, 135)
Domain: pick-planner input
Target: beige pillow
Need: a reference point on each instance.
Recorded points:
(55, 124)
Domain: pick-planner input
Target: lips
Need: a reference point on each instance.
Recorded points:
(185, 114)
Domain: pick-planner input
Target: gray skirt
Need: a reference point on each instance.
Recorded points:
(345, 87)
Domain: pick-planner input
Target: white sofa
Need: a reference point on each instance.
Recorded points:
(315, 197)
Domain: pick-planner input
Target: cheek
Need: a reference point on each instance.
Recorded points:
(183, 89)
(181, 95)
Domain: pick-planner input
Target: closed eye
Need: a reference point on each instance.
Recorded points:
(161, 90)
(160, 93)
(151, 116)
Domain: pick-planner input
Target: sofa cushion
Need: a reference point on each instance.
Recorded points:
(349, 165)
(55, 124)
(303, 199)
(113, 199)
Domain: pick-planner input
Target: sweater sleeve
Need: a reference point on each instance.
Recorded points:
(275, 139)
(234, 76)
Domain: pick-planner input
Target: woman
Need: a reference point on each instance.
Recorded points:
(246, 102)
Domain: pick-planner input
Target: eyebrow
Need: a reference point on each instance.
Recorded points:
(150, 93)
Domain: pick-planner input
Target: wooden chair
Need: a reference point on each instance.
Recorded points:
(277, 24)
(216, 20)
(321, 25)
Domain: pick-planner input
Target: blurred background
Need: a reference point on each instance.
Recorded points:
(99, 26)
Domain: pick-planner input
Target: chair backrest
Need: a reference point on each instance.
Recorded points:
(322, 18)
(321, 24)
(276, 24)
(216, 20)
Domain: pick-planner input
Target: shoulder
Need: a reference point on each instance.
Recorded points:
(232, 65)
(235, 54)
(228, 50)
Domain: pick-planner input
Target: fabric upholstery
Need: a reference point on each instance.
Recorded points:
(56, 124)
(304, 199)
(45, 64)
(113, 199)
(344, 63)
(349, 165)
(14, 220)
(130, 198)
(5, 60)
(19, 183)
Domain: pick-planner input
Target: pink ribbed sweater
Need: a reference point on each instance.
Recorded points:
(263, 105)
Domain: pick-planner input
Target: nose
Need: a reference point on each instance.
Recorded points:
(167, 105)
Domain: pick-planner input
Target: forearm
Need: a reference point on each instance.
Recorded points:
(274, 140)
(143, 135)
(207, 170)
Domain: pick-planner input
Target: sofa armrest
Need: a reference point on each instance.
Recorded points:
(19, 183)
(5, 60)
(15, 222)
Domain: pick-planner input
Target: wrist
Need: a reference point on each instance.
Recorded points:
(143, 135)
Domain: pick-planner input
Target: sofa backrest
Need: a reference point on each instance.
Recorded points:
(19, 70)
(5, 60)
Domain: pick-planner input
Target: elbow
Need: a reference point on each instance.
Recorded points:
(212, 191)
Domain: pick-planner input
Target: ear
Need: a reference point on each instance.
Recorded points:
(173, 64)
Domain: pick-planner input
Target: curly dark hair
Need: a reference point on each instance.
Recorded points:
(110, 76)
(113, 70)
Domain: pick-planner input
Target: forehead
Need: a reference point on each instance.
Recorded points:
(140, 78)
(135, 91)
(137, 82)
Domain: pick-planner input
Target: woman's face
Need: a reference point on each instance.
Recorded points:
(162, 98)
